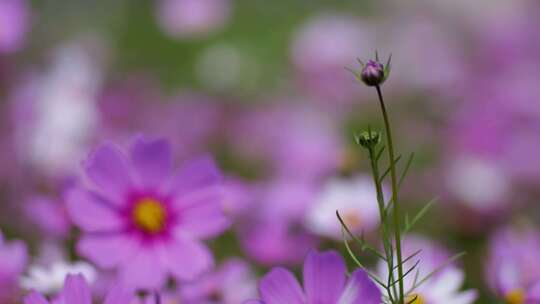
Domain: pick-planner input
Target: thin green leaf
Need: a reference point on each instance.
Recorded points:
(387, 171)
(356, 74)
(410, 257)
(358, 263)
(364, 245)
(406, 170)
(379, 154)
(419, 215)
(448, 262)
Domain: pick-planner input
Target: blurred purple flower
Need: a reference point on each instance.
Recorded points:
(444, 286)
(232, 283)
(192, 18)
(189, 119)
(49, 215)
(437, 69)
(325, 281)
(237, 197)
(296, 141)
(77, 291)
(273, 232)
(13, 261)
(55, 112)
(356, 201)
(143, 220)
(14, 24)
(322, 48)
(512, 269)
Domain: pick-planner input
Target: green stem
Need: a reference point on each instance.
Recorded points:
(382, 213)
(396, 211)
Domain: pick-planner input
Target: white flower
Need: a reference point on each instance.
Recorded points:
(479, 183)
(50, 280)
(444, 287)
(356, 201)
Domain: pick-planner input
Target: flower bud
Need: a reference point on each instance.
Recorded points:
(373, 73)
(368, 139)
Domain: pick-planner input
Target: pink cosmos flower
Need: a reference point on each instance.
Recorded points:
(141, 219)
(444, 286)
(325, 281)
(77, 291)
(512, 269)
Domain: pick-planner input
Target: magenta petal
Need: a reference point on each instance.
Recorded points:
(253, 302)
(119, 295)
(324, 277)
(152, 159)
(107, 250)
(360, 290)
(196, 174)
(35, 298)
(143, 271)
(201, 214)
(92, 213)
(108, 169)
(279, 286)
(186, 259)
(76, 290)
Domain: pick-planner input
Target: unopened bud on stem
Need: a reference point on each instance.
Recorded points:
(368, 139)
(373, 73)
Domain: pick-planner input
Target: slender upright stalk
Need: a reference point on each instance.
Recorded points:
(382, 213)
(396, 211)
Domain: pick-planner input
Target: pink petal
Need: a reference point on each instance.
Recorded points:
(186, 259)
(360, 290)
(279, 286)
(201, 214)
(91, 213)
(119, 295)
(152, 159)
(324, 277)
(35, 298)
(107, 250)
(108, 169)
(196, 174)
(76, 290)
(144, 271)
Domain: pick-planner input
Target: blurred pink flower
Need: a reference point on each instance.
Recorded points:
(295, 140)
(143, 220)
(273, 231)
(325, 281)
(322, 48)
(188, 119)
(14, 24)
(356, 201)
(512, 269)
(77, 291)
(55, 112)
(232, 283)
(192, 18)
(13, 261)
(49, 215)
(444, 286)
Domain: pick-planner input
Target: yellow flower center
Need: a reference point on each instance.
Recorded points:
(149, 215)
(415, 299)
(516, 296)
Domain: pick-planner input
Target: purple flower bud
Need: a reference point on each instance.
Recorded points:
(373, 73)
